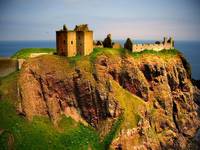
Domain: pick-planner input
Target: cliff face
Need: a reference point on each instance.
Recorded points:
(153, 94)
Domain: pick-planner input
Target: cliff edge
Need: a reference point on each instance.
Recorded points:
(149, 95)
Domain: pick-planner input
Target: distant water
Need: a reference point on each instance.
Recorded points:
(8, 48)
(190, 49)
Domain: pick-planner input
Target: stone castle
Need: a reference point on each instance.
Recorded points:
(80, 41)
(72, 42)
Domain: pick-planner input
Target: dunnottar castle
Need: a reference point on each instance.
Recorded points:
(80, 41)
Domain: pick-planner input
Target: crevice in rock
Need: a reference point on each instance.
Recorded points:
(175, 113)
(39, 79)
(147, 72)
(44, 97)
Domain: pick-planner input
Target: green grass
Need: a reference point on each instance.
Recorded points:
(8, 87)
(162, 53)
(41, 134)
(110, 52)
(131, 105)
(111, 135)
(74, 59)
(122, 52)
(25, 53)
(106, 51)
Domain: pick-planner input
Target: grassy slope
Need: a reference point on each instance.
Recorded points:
(40, 134)
(25, 53)
(131, 105)
(8, 87)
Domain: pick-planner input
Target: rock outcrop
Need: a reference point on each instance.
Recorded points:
(72, 92)
(168, 114)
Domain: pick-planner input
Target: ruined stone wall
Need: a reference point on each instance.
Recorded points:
(71, 43)
(155, 47)
(88, 42)
(61, 42)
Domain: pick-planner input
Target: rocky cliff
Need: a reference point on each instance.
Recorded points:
(151, 92)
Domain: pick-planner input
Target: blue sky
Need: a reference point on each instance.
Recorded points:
(137, 19)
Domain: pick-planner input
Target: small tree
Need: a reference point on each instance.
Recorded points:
(107, 41)
(128, 44)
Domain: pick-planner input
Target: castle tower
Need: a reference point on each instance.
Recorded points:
(66, 42)
(72, 42)
(84, 38)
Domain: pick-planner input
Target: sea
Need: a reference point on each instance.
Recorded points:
(190, 49)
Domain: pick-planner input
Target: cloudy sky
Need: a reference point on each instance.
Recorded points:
(137, 19)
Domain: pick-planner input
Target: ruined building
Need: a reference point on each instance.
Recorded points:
(107, 43)
(157, 46)
(72, 42)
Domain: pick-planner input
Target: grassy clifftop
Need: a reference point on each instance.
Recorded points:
(26, 52)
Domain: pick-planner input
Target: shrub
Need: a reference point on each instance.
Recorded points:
(107, 41)
(128, 44)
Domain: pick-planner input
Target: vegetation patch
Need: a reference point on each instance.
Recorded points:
(162, 53)
(8, 87)
(106, 51)
(74, 59)
(111, 135)
(131, 105)
(41, 134)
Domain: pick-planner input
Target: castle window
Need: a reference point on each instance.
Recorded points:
(72, 42)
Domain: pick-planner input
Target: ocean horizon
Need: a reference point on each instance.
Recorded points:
(190, 49)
